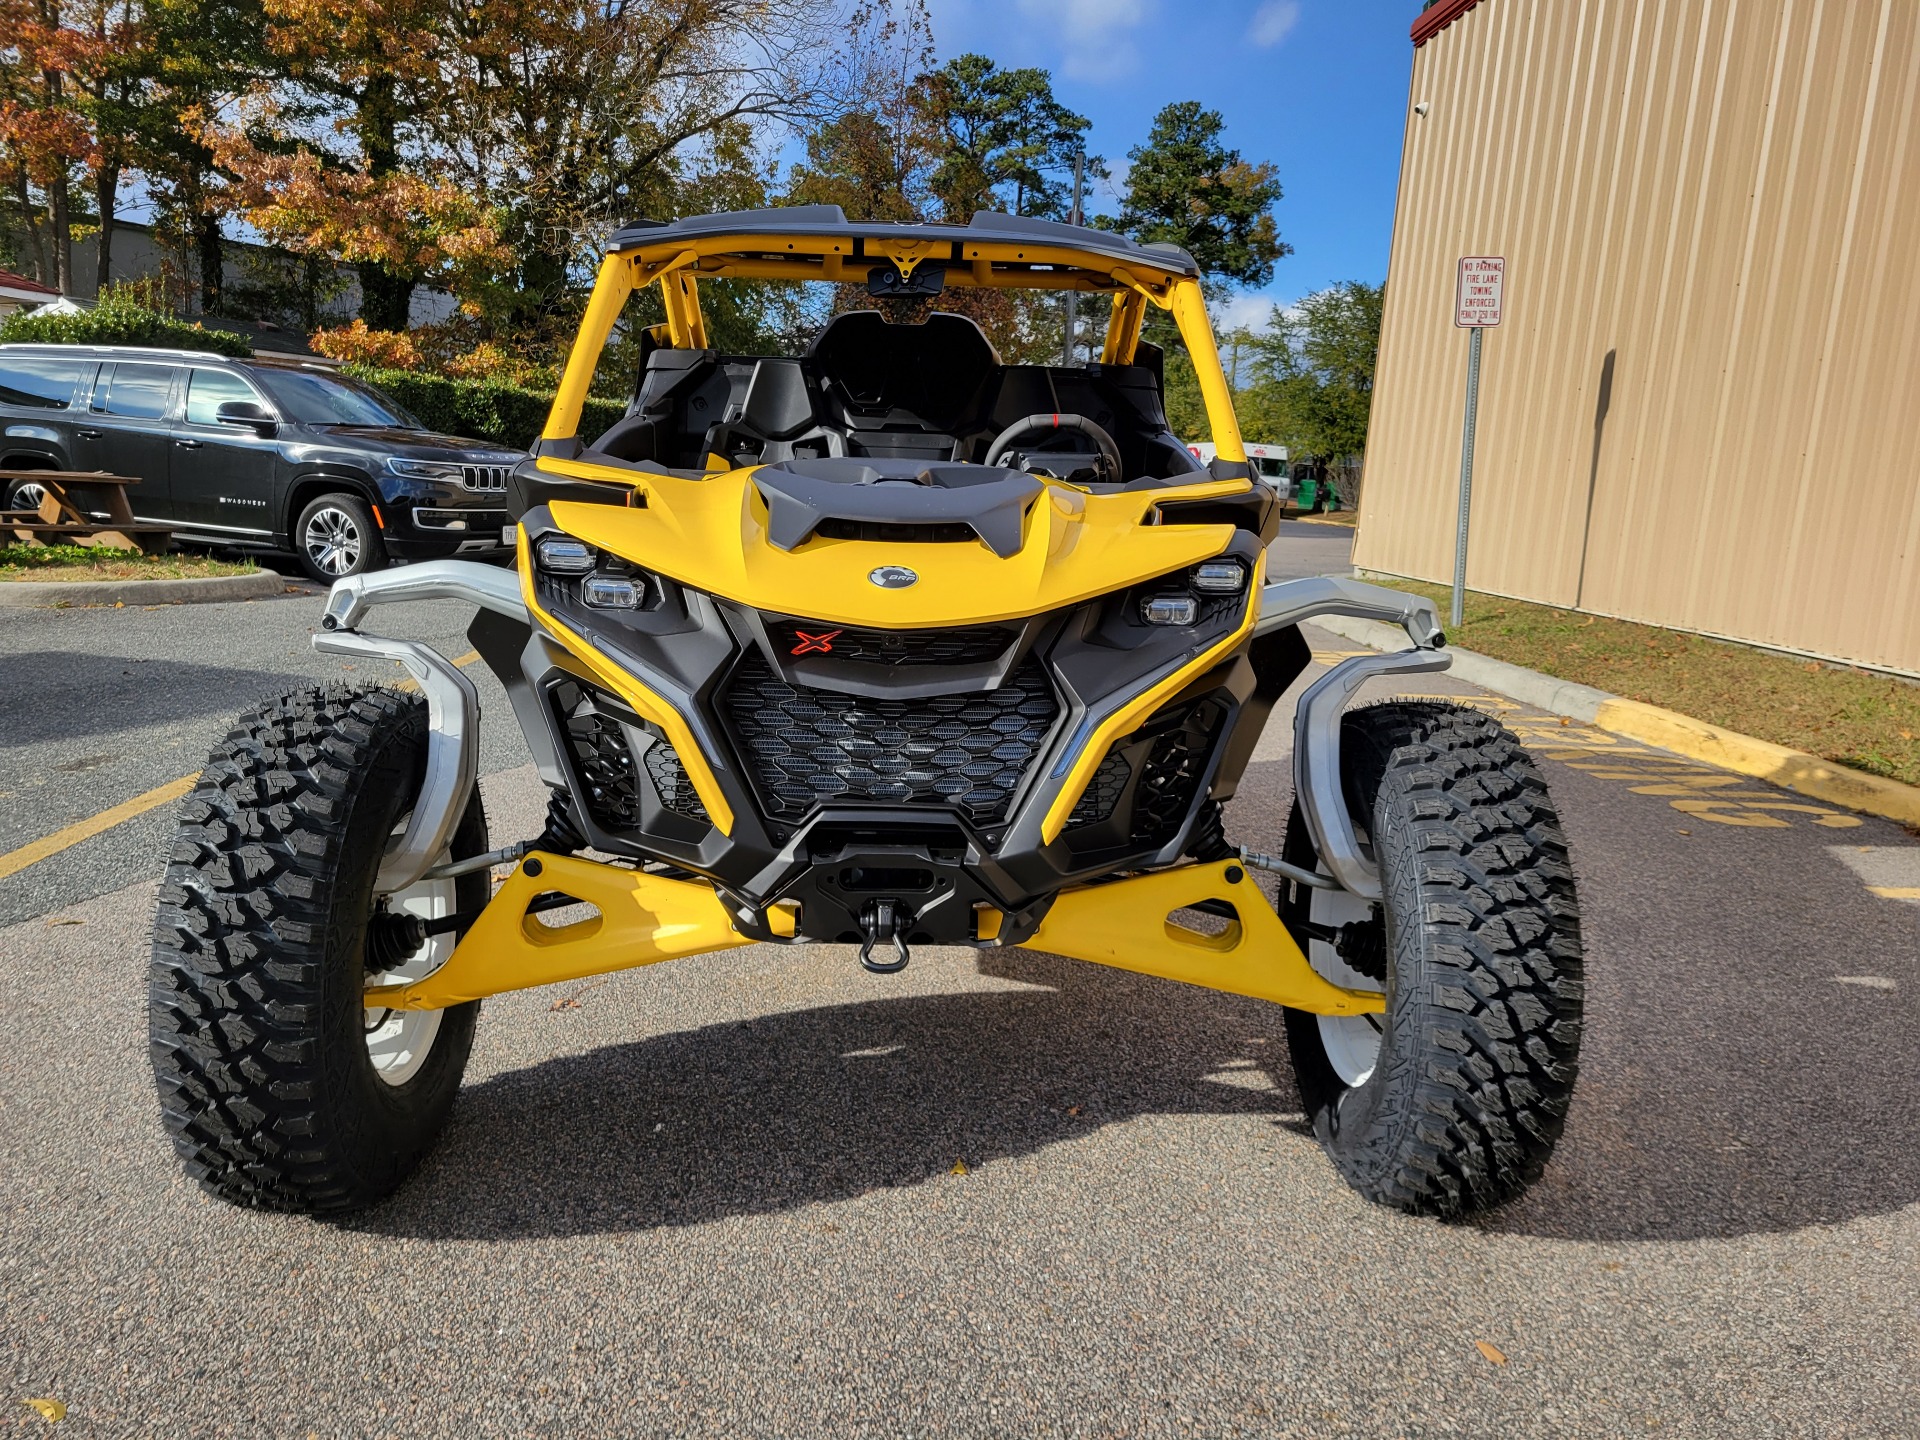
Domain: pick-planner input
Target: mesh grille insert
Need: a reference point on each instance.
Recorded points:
(1102, 792)
(599, 748)
(669, 777)
(598, 744)
(1172, 774)
(808, 747)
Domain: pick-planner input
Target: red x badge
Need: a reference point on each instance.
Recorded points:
(814, 644)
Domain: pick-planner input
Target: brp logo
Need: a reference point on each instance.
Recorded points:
(821, 644)
(892, 577)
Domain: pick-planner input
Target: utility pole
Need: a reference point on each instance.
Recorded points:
(1074, 217)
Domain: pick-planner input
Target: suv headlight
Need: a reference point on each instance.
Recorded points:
(423, 469)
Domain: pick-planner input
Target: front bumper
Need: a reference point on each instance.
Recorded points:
(614, 725)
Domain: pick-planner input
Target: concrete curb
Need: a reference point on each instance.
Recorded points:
(1666, 729)
(23, 594)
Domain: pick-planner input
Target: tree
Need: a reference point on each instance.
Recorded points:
(874, 158)
(206, 55)
(872, 170)
(1004, 142)
(1186, 187)
(321, 164)
(573, 116)
(44, 134)
(1316, 373)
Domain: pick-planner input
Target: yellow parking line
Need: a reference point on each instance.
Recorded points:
(410, 684)
(1895, 892)
(14, 861)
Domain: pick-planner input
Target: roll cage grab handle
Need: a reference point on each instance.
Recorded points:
(453, 706)
(676, 269)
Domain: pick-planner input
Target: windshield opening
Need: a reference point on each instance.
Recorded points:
(315, 398)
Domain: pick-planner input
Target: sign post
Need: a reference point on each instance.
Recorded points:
(1476, 306)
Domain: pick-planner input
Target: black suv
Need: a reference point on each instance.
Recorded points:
(254, 454)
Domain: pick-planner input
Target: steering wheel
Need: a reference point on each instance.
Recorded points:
(1046, 426)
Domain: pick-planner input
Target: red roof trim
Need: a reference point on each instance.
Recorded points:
(21, 282)
(1436, 18)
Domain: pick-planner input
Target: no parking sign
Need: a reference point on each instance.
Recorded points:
(1478, 297)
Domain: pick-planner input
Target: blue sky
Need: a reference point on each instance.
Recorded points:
(1319, 87)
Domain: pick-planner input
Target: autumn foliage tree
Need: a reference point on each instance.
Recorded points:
(46, 136)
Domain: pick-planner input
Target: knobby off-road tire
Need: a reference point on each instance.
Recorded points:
(258, 1037)
(1480, 1044)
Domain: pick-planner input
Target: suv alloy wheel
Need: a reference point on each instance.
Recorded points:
(336, 537)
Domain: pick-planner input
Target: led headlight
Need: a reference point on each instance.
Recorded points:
(1170, 610)
(563, 555)
(423, 469)
(1223, 577)
(612, 592)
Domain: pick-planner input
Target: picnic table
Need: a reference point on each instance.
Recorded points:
(81, 507)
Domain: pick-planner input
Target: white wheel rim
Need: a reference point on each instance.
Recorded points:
(399, 1041)
(1351, 1042)
(28, 496)
(333, 541)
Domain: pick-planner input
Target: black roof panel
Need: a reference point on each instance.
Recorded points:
(828, 220)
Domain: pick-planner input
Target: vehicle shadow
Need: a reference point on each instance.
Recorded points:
(1729, 1085)
(806, 1106)
(70, 694)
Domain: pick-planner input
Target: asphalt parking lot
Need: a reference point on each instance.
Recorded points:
(767, 1194)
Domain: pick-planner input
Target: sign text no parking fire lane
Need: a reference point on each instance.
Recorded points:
(1477, 299)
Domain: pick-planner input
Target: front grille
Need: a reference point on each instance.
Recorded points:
(973, 645)
(491, 479)
(600, 753)
(810, 747)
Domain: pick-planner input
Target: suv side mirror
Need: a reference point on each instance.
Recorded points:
(246, 412)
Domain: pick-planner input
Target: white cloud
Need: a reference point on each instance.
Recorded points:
(1095, 37)
(1273, 22)
(1249, 309)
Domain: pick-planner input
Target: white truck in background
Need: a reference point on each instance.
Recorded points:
(1297, 485)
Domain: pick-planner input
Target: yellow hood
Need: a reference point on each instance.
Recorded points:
(711, 535)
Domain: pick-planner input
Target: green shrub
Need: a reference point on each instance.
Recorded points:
(483, 409)
(120, 319)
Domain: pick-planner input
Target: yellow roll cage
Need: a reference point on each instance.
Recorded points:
(678, 265)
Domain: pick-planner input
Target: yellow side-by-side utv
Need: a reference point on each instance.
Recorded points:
(886, 645)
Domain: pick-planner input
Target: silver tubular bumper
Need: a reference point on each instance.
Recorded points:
(1316, 720)
(1316, 761)
(1288, 602)
(453, 705)
(486, 586)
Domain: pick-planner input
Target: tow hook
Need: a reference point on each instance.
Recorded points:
(881, 923)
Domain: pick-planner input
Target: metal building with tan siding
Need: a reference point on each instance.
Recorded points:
(1702, 408)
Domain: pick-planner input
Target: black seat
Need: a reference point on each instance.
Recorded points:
(778, 405)
(905, 390)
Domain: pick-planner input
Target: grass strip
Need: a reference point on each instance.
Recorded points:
(82, 562)
(1852, 717)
